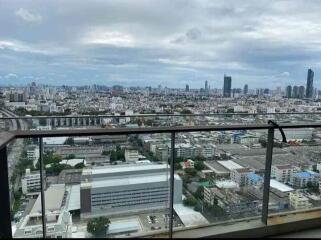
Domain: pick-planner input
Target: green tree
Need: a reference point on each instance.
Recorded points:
(69, 141)
(190, 201)
(191, 172)
(200, 193)
(98, 226)
(199, 158)
(71, 156)
(113, 156)
(199, 165)
(106, 153)
(79, 165)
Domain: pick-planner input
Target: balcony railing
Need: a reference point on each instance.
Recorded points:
(8, 137)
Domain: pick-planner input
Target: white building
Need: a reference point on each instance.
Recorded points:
(283, 173)
(58, 219)
(33, 154)
(126, 189)
(131, 155)
(30, 183)
(299, 201)
(239, 175)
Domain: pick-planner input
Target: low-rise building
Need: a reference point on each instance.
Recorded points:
(33, 154)
(58, 219)
(161, 152)
(189, 163)
(131, 155)
(299, 201)
(253, 179)
(283, 173)
(230, 201)
(30, 183)
(301, 179)
(239, 175)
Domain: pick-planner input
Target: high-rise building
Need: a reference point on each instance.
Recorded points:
(245, 89)
(206, 86)
(295, 93)
(301, 92)
(288, 91)
(227, 86)
(187, 88)
(309, 89)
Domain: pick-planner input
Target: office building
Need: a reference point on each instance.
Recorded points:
(227, 86)
(301, 92)
(245, 89)
(309, 88)
(295, 93)
(288, 91)
(126, 189)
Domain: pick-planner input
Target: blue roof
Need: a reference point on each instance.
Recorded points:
(254, 177)
(305, 174)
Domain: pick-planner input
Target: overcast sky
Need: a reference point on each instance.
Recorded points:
(168, 42)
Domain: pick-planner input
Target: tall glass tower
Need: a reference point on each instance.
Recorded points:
(227, 86)
(309, 89)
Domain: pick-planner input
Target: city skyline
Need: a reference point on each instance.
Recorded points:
(129, 44)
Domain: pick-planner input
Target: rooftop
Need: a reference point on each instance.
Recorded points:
(127, 168)
(230, 165)
(131, 180)
(53, 198)
(280, 186)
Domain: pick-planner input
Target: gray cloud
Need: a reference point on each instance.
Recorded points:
(167, 42)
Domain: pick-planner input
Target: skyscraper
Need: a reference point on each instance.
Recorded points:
(206, 86)
(295, 93)
(288, 91)
(187, 88)
(309, 89)
(301, 92)
(245, 89)
(227, 86)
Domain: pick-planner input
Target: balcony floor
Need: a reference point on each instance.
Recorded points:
(312, 233)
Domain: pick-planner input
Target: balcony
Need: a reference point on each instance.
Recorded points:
(145, 199)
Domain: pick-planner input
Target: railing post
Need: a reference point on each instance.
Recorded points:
(267, 175)
(171, 185)
(42, 193)
(5, 215)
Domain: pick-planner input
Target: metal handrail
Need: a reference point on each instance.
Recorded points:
(6, 137)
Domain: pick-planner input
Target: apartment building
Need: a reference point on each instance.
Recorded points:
(239, 175)
(299, 201)
(30, 183)
(131, 155)
(33, 154)
(301, 179)
(283, 173)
